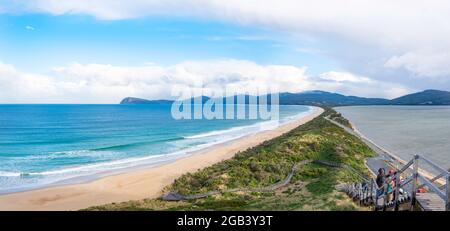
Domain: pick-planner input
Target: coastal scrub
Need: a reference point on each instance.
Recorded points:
(312, 186)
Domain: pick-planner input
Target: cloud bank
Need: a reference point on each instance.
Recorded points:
(372, 37)
(100, 83)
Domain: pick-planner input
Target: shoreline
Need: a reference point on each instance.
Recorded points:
(151, 161)
(394, 157)
(139, 184)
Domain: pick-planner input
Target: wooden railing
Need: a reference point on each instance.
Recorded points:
(411, 183)
(416, 175)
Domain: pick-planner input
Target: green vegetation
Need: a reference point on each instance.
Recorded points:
(336, 116)
(427, 97)
(311, 188)
(329, 99)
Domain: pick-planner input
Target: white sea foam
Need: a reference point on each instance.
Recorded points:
(257, 127)
(193, 143)
(217, 133)
(64, 154)
(9, 174)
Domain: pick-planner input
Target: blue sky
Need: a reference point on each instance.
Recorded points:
(38, 42)
(98, 51)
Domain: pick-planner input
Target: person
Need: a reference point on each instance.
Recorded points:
(381, 177)
(392, 174)
(390, 189)
(391, 185)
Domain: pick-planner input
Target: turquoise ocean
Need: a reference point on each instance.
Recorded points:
(42, 145)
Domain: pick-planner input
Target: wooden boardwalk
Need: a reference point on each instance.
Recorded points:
(430, 202)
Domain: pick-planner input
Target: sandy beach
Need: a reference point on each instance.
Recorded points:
(137, 184)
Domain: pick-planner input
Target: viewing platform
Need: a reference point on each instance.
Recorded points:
(415, 188)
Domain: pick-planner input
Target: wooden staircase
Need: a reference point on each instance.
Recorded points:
(436, 197)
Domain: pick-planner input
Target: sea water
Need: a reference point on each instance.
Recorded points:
(405, 130)
(43, 145)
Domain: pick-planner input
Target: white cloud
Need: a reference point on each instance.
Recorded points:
(29, 27)
(429, 64)
(344, 77)
(252, 38)
(312, 51)
(16, 86)
(351, 84)
(99, 83)
(370, 30)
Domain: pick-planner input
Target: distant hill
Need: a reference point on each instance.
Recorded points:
(427, 97)
(133, 100)
(323, 98)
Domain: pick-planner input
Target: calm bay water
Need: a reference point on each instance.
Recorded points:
(46, 144)
(405, 130)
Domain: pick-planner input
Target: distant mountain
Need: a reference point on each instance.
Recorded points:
(203, 99)
(427, 97)
(133, 100)
(323, 98)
